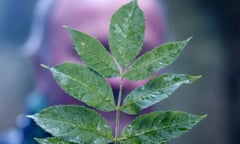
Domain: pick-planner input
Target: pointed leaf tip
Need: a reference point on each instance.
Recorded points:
(44, 66)
(190, 38)
(66, 27)
(154, 60)
(186, 41)
(204, 116)
(30, 116)
(194, 78)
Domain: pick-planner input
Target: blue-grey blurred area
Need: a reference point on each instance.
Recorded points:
(214, 53)
(15, 70)
(16, 17)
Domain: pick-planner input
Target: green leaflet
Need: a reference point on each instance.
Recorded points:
(85, 85)
(93, 53)
(78, 125)
(159, 127)
(154, 91)
(126, 33)
(74, 124)
(52, 140)
(154, 60)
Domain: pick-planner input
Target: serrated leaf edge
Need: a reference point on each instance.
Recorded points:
(201, 117)
(93, 91)
(35, 116)
(72, 30)
(131, 66)
(194, 78)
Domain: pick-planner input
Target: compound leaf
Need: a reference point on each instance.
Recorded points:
(154, 91)
(154, 60)
(159, 127)
(127, 33)
(74, 124)
(93, 53)
(85, 85)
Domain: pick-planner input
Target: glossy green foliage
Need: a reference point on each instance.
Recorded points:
(52, 140)
(155, 60)
(85, 85)
(127, 33)
(158, 127)
(93, 53)
(74, 124)
(86, 82)
(154, 91)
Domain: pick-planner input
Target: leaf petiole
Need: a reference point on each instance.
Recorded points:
(118, 109)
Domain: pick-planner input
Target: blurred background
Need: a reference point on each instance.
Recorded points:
(214, 53)
(16, 77)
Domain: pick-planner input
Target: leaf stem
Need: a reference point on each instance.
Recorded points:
(118, 111)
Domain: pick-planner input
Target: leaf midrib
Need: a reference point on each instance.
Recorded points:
(155, 129)
(143, 96)
(144, 64)
(71, 123)
(84, 85)
(129, 26)
(109, 64)
(148, 93)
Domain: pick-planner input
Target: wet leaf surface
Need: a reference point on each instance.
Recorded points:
(52, 140)
(127, 33)
(74, 124)
(154, 91)
(85, 85)
(154, 60)
(159, 127)
(93, 53)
